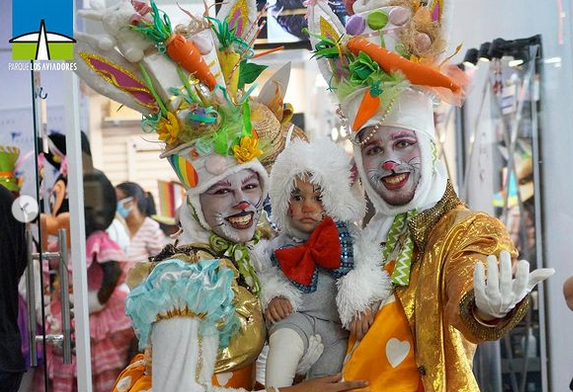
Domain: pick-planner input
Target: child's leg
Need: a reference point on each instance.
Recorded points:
(335, 340)
(286, 348)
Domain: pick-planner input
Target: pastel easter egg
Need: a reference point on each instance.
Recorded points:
(215, 164)
(399, 16)
(203, 45)
(377, 19)
(355, 25)
(422, 41)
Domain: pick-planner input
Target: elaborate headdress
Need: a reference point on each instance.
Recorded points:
(192, 83)
(386, 67)
(388, 52)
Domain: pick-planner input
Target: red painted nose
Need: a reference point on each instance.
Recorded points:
(388, 165)
(242, 205)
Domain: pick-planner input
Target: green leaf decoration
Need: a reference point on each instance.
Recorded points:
(220, 142)
(236, 142)
(249, 72)
(158, 30)
(247, 126)
(225, 34)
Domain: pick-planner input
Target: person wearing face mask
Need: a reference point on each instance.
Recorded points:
(136, 206)
(386, 73)
(318, 282)
(110, 328)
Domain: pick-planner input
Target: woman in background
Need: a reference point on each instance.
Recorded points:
(110, 328)
(136, 206)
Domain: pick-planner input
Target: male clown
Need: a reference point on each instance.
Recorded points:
(423, 337)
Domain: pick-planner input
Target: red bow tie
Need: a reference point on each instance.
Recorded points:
(322, 249)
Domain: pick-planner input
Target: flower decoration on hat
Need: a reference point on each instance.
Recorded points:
(387, 48)
(247, 149)
(192, 82)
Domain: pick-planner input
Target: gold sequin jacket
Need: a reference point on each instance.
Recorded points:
(439, 303)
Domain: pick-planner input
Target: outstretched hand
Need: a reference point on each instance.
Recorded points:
(326, 384)
(497, 296)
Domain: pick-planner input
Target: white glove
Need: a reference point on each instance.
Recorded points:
(94, 305)
(499, 295)
(315, 349)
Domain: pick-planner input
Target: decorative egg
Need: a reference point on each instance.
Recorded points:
(203, 45)
(355, 25)
(422, 41)
(399, 16)
(377, 19)
(215, 164)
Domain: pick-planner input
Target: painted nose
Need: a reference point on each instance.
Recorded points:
(310, 207)
(242, 205)
(389, 165)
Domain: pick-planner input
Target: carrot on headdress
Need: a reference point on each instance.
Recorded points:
(178, 48)
(184, 53)
(416, 73)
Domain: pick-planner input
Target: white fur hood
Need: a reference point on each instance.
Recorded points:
(329, 167)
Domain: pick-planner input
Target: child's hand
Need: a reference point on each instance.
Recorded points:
(278, 309)
(361, 323)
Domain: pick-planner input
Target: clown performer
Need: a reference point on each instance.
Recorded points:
(317, 280)
(192, 88)
(385, 67)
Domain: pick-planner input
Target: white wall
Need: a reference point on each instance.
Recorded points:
(485, 20)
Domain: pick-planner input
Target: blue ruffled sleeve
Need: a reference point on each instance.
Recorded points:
(178, 289)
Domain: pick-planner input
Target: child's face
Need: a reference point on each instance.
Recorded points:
(305, 206)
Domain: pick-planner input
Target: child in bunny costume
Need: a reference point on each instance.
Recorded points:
(318, 278)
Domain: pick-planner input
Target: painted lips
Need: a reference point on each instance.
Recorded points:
(241, 221)
(395, 181)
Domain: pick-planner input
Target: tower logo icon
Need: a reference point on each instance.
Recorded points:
(42, 30)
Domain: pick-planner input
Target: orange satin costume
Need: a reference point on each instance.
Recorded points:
(438, 304)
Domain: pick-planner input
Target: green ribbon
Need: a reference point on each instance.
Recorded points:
(239, 254)
(402, 250)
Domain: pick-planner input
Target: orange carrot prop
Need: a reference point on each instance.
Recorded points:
(416, 73)
(185, 54)
(180, 50)
(368, 107)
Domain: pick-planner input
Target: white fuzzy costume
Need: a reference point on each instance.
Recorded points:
(329, 167)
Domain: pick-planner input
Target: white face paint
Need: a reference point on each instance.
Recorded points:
(392, 162)
(232, 206)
